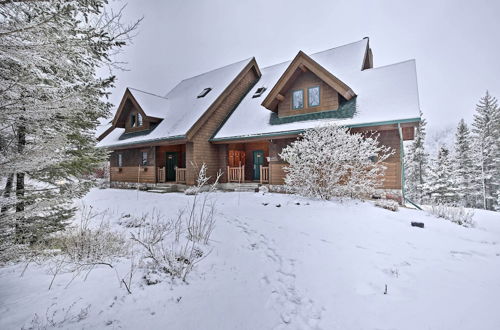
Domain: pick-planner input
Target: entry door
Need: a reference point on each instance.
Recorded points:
(258, 159)
(172, 158)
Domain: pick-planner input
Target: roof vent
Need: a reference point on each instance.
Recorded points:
(204, 92)
(259, 92)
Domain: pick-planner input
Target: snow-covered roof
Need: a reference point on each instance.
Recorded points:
(180, 108)
(153, 105)
(384, 94)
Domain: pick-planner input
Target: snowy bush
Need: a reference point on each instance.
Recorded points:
(174, 246)
(331, 162)
(456, 214)
(387, 204)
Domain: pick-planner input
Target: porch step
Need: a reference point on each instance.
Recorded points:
(240, 187)
(159, 191)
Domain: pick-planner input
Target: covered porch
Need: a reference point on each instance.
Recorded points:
(248, 162)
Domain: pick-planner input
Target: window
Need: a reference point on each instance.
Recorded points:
(139, 119)
(120, 160)
(259, 92)
(313, 96)
(204, 92)
(132, 120)
(144, 158)
(298, 99)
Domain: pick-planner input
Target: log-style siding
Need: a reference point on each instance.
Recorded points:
(201, 150)
(329, 99)
(144, 174)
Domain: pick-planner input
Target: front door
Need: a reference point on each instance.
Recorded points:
(258, 160)
(171, 158)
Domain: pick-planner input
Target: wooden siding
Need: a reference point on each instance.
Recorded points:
(133, 157)
(146, 174)
(161, 150)
(202, 150)
(329, 98)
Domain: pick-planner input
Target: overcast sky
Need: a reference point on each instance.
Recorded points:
(456, 43)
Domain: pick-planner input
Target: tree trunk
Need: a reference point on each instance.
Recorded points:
(21, 142)
(7, 191)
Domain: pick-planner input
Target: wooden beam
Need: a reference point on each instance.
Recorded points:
(280, 97)
(303, 68)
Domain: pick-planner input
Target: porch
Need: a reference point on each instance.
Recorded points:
(248, 162)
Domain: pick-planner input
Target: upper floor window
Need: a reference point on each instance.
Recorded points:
(313, 98)
(259, 92)
(139, 119)
(132, 120)
(120, 160)
(144, 158)
(298, 99)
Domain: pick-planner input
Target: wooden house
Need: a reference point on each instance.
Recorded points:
(239, 117)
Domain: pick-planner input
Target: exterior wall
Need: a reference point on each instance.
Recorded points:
(329, 99)
(130, 172)
(276, 164)
(161, 150)
(202, 150)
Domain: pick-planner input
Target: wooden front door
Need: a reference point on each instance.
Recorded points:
(171, 159)
(258, 160)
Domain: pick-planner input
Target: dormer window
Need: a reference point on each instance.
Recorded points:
(298, 99)
(132, 120)
(259, 92)
(204, 92)
(139, 119)
(313, 98)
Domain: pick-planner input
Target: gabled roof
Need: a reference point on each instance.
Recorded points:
(303, 63)
(384, 95)
(180, 108)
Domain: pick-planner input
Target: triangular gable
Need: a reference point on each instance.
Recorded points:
(303, 63)
(120, 117)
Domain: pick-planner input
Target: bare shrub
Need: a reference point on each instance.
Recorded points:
(57, 318)
(387, 204)
(82, 247)
(175, 246)
(456, 214)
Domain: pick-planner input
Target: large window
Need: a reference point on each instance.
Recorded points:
(313, 96)
(144, 158)
(120, 160)
(298, 99)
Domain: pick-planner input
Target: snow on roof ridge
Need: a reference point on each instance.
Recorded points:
(392, 64)
(312, 54)
(222, 67)
(138, 90)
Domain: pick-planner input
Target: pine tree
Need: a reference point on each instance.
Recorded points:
(486, 129)
(441, 186)
(464, 173)
(416, 164)
(50, 102)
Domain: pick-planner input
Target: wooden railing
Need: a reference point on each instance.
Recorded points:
(236, 174)
(264, 174)
(161, 174)
(180, 175)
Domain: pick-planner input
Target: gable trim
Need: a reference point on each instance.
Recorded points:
(304, 63)
(129, 96)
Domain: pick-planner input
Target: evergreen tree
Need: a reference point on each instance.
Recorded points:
(441, 186)
(464, 173)
(50, 102)
(486, 129)
(416, 163)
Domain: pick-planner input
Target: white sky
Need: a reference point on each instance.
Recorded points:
(456, 43)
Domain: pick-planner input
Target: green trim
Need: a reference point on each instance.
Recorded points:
(303, 94)
(298, 131)
(309, 99)
(130, 135)
(345, 110)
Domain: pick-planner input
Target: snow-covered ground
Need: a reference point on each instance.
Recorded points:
(304, 265)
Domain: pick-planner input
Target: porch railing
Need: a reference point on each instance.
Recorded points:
(264, 174)
(161, 174)
(236, 174)
(180, 175)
